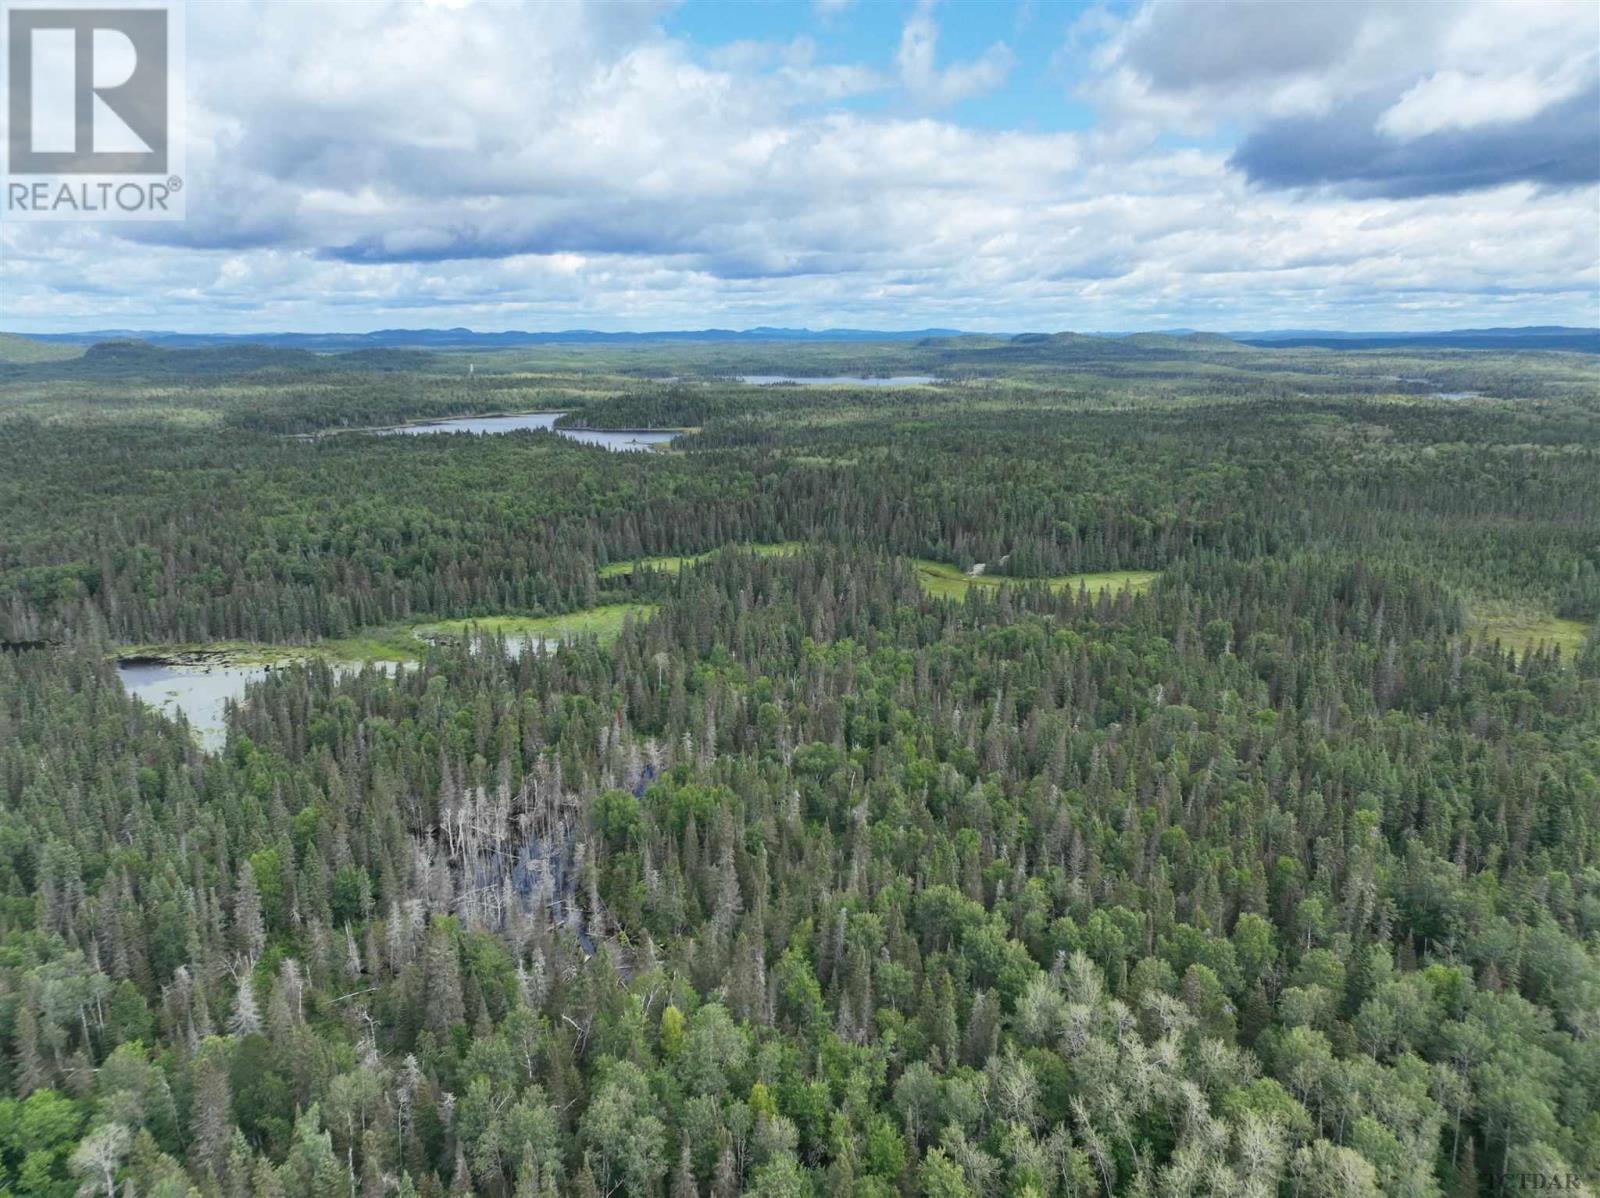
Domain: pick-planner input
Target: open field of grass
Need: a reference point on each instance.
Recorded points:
(604, 622)
(224, 653)
(1522, 628)
(946, 581)
(673, 564)
(393, 642)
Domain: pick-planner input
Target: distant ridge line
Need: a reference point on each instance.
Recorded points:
(463, 338)
(1558, 337)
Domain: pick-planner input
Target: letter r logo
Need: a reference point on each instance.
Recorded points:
(87, 90)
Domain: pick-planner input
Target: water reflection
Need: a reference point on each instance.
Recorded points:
(839, 380)
(620, 440)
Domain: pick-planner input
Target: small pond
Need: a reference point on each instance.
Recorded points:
(620, 440)
(839, 380)
(198, 693)
(201, 692)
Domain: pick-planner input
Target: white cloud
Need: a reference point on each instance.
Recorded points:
(357, 166)
(937, 87)
(1456, 100)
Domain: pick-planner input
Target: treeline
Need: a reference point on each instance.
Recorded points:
(146, 533)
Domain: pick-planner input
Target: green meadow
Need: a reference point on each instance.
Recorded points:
(604, 622)
(1523, 628)
(946, 581)
(671, 565)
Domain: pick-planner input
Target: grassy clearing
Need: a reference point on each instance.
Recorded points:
(671, 447)
(604, 622)
(1523, 628)
(673, 564)
(1107, 580)
(372, 645)
(945, 581)
(813, 459)
(219, 653)
(394, 642)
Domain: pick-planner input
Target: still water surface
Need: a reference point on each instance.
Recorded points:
(839, 380)
(201, 693)
(623, 441)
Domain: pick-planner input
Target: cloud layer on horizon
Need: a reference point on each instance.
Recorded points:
(489, 164)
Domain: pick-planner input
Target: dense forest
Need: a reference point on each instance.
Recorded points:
(1275, 874)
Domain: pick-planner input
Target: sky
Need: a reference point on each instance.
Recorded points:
(996, 166)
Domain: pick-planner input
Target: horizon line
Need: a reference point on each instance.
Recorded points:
(856, 330)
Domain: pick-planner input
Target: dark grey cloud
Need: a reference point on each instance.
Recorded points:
(606, 226)
(1558, 147)
(1184, 44)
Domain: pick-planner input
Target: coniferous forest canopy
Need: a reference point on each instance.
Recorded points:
(1153, 766)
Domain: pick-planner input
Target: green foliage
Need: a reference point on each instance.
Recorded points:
(808, 877)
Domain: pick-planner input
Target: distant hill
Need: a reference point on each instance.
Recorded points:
(468, 339)
(1204, 342)
(56, 346)
(1087, 348)
(1558, 337)
(126, 357)
(1063, 340)
(24, 351)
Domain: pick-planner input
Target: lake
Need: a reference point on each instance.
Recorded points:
(839, 380)
(620, 440)
(201, 693)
